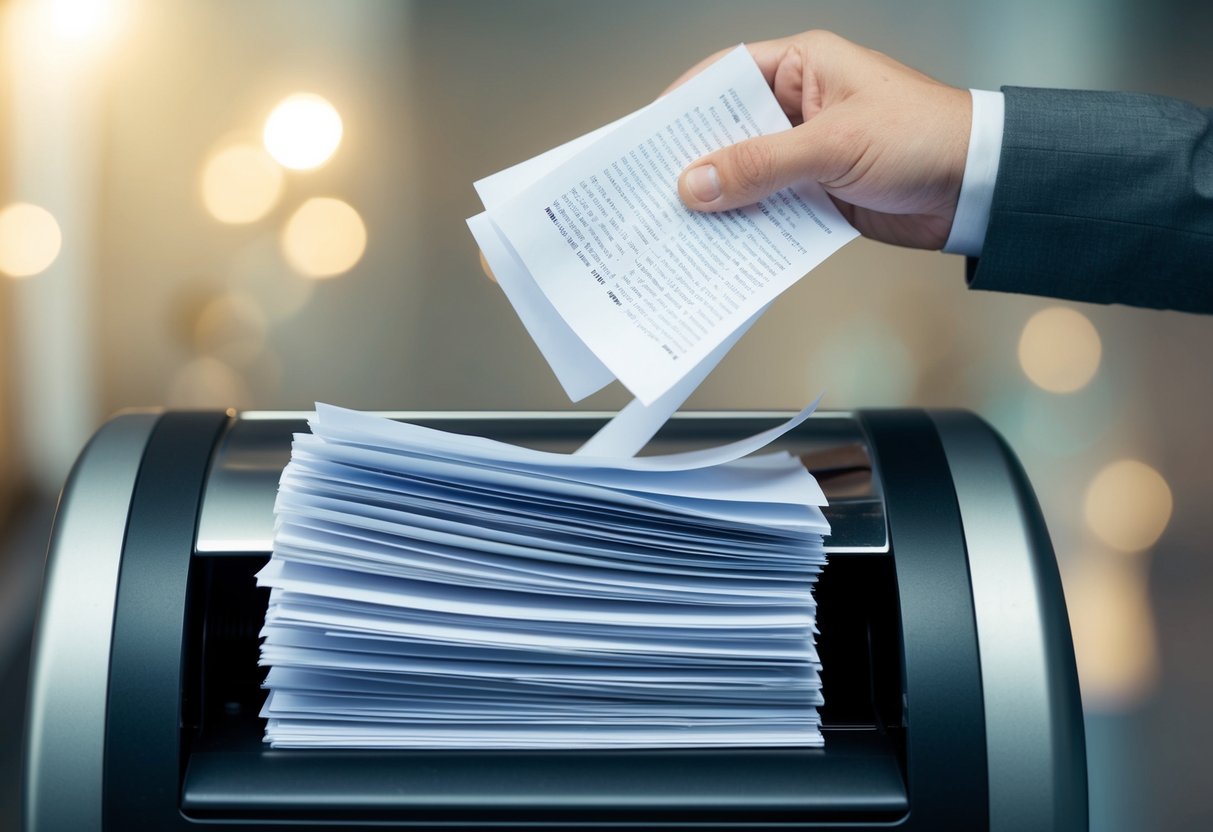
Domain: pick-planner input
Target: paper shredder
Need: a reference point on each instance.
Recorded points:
(951, 694)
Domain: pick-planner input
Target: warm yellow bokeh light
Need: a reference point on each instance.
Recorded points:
(1113, 629)
(325, 237)
(257, 269)
(207, 382)
(1059, 350)
(241, 183)
(302, 132)
(82, 21)
(1128, 505)
(231, 327)
(29, 240)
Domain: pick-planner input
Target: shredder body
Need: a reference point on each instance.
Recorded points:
(951, 695)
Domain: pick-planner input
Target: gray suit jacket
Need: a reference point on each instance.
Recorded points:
(1102, 197)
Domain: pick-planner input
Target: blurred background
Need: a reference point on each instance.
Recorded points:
(261, 204)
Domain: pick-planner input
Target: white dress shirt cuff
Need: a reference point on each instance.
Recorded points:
(981, 169)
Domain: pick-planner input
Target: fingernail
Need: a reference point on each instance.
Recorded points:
(704, 183)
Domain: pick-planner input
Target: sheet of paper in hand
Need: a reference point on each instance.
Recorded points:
(614, 277)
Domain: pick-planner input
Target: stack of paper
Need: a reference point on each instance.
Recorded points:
(431, 590)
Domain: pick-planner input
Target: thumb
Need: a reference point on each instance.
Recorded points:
(746, 172)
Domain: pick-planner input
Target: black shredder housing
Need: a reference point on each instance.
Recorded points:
(951, 694)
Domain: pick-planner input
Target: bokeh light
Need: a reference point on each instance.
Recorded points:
(1036, 421)
(325, 237)
(231, 327)
(302, 132)
(1115, 644)
(1059, 350)
(29, 240)
(864, 364)
(78, 22)
(1128, 505)
(241, 183)
(208, 382)
(257, 270)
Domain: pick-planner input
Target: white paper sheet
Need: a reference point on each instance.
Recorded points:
(577, 369)
(651, 287)
(693, 284)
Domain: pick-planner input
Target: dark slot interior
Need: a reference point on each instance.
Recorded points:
(228, 774)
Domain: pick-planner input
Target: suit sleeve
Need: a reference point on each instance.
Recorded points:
(1102, 197)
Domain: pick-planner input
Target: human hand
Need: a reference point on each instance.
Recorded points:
(887, 143)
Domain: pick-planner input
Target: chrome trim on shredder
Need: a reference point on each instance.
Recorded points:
(1030, 781)
(493, 415)
(69, 675)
